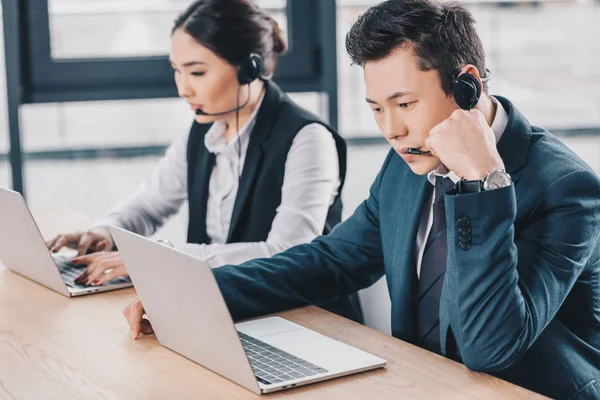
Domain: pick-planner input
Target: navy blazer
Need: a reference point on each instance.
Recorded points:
(522, 303)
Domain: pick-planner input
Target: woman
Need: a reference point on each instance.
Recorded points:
(260, 173)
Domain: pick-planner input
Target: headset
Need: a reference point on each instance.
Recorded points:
(252, 68)
(466, 88)
(466, 91)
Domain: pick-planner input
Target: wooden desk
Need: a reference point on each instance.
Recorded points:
(53, 347)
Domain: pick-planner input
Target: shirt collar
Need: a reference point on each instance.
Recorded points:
(498, 127)
(214, 140)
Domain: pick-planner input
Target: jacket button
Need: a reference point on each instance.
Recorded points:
(465, 246)
(464, 221)
(465, 229)
(465, 238)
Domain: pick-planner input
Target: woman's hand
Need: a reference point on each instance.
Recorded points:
(96, 239)
(97, 266)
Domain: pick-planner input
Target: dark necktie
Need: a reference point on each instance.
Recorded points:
(433, 268)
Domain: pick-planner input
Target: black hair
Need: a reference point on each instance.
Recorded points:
(233, 29)
(441, 35)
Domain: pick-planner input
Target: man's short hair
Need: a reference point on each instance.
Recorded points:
(441, 35)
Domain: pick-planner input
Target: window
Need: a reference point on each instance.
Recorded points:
(104, 49)
(112, 28)
(543, 54)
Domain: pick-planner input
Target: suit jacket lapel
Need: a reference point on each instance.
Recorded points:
(516, 139)
(412, 196)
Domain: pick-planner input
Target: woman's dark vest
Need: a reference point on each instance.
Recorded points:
(259, 194)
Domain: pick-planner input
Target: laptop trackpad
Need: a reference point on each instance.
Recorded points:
(306, 344)
(266, 327)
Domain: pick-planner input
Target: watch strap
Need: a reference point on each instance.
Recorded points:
(464, 186)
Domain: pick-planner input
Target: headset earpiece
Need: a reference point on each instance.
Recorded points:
(466, 90)
(251, 69)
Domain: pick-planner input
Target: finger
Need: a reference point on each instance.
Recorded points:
(50, 243)
(73, 239)
(145, 327)
(127, 311)
(98, 267)
(135, 318)
(479, 116)
(60, 242)
(90, 265)
(107, 271)
(102, 245)
(89, 258)
(457, 114)
(430, 144)
(86, 259)
(434, 145)
(84, 244)
(110, 275)
(80, 280)
(439, 128)
(91, 261)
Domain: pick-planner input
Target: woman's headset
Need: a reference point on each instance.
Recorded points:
(251, 69)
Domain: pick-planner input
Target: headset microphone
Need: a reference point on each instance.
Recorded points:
(412, 150)
(200, 112)
(466, 91)
(250, 69)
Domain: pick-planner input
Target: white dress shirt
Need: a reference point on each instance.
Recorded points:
(498, 127)
(310, 186)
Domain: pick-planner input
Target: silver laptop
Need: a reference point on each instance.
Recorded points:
(189, 316)
(23, 250)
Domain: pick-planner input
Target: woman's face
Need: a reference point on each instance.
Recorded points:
(203, 79)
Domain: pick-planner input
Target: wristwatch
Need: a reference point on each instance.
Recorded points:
(495, 179)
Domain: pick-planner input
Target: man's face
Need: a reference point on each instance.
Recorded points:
(407, 103)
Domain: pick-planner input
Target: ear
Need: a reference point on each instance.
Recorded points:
(471, 69)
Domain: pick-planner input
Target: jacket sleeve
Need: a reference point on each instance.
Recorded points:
(504, 290)
(348, 259)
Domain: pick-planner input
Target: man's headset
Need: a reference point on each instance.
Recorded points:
(466, 90)
(250, 70)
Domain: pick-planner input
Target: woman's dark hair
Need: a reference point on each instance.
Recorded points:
(441, 35)
(233, 29)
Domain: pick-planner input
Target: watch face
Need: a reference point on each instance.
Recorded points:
(496, 180)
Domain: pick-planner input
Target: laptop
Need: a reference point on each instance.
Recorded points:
(23, 250)
(189, 316)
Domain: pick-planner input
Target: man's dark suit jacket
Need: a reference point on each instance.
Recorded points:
(522, 303)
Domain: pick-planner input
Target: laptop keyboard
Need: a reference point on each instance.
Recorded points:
(70, 272)
(271, 365)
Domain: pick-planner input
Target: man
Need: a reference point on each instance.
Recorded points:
(510, 232)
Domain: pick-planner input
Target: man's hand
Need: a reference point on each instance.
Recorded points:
(97, 265)
(465, 144)
(134, 314)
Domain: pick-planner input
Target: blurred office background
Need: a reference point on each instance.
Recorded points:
(80, 151)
